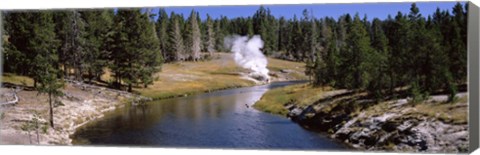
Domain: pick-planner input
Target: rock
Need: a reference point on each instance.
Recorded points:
(342, 135)
(286, 70)
(294, 113)
(405, 126)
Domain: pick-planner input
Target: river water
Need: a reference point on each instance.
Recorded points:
(219, 119)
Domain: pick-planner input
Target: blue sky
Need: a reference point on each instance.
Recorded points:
(372, 10)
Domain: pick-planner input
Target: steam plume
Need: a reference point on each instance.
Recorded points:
(247, 54)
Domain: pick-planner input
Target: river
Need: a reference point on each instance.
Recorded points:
(221, 119)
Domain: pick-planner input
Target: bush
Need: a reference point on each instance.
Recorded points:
(452, 91)
(417, 94)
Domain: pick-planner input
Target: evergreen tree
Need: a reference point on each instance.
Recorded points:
(20, 55)
(136, 53)
(359, 53)
(458, 42)
(71, 31)
(11, 56)
(176, 39)
(399, 41)
(163, 36)
(45, 45)
(282, 34)
(98, 32)
(264, 25)
(210, 36)
(194, 37)
(296, 40)
(379, 60)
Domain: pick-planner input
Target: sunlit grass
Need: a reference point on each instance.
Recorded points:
(302, 94)
(446, 112)
(186, 78)
(16, 79)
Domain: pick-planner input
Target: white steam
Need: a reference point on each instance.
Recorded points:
(247, 54)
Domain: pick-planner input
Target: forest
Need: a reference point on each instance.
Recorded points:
(426, 54)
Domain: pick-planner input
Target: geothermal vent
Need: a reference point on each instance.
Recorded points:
(247, 54)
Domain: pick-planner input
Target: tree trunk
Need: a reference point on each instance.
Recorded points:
(29, 136)
(129, 87)
(34, 83)
(51, 109)
(38, 136)
(65, 74)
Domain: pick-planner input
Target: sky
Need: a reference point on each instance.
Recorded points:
(372, 10)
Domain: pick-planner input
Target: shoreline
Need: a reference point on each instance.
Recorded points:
(395, 125)
(79, 107)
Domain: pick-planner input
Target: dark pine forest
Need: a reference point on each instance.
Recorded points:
(423, 54)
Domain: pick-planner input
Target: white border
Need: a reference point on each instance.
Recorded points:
(74, 150)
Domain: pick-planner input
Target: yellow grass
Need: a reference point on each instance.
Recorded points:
(446, 112)
(16, 79)
(303, 94)
(186, 78)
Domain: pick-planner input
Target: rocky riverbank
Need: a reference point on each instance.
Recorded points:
(393, 125)
(27, 121)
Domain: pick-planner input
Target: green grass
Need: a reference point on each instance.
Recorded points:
(302, 94)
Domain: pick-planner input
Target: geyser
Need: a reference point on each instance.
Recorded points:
(247, 54)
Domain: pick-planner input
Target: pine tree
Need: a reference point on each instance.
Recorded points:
(249, 27)
(329, 43)
(379, 60)
(264, 25)
(11, 56)
(194, 37)
(210, 36)
(20, 54)
(282, 34)
(136, 53)
(296, 40)
(71, 31)
(151, 53)
(359, 53)
(98, 34)
(309, 40)
(45, 45)
(458, 42)
(219, 36)
(343, 29)
(399, 41)
(176, 39)
(163, 36)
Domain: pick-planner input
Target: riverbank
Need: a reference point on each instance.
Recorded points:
(80, 104)
(392, 125)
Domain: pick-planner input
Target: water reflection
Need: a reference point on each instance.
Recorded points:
(213, 120)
